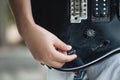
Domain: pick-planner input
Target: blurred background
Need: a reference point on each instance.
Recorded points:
(16, 61)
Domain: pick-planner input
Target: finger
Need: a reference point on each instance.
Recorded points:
(64, 52)
(63, 58)
(61, 45)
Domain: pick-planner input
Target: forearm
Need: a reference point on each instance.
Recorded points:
(22, 13)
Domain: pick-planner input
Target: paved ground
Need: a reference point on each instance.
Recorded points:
(17, 63)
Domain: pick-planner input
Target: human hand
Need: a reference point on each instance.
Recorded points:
(46, 47)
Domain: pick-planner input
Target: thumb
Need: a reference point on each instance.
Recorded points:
(61, 45)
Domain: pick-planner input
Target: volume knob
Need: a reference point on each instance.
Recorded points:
(89, 33)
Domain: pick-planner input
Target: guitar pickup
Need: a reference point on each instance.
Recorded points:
(78, 10)
(100, 10)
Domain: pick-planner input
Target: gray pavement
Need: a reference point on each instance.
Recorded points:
(17, 63)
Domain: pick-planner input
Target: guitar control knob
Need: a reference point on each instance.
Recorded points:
(89, 33)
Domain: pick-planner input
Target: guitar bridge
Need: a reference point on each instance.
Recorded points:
(78, 10)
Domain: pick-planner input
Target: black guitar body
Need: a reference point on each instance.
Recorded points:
(92, 39)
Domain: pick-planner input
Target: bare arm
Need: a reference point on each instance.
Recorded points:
(22, 13)
(42, 44)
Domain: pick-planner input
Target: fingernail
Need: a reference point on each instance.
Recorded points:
(69, 47)
(75, 55)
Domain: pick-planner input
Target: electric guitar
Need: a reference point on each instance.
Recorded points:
(91, 27)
